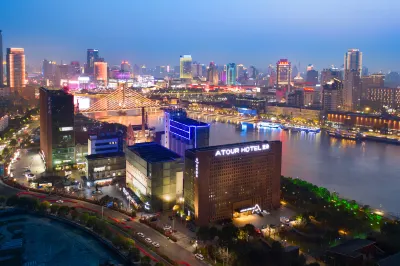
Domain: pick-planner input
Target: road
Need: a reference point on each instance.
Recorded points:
(171, 249)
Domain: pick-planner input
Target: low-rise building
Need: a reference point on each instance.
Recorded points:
(155, 174)
(105, 142)
(103, 168)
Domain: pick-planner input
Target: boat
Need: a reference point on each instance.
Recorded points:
(346, 135)
(268, 125)
(284, 127)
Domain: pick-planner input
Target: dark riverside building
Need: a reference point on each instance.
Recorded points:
(220, 181)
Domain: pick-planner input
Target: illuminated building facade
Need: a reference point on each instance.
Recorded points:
(92, 56)
(103, 168)
(126, 67)
(231, 74)
(155, 174)
(212, 74)
(353, 62)
(16, 67)
(283, 73)
(57, 137)
(371, 81)
(222, 181)
(182, 133)
(352, 91)
(186, 67)
(331, 95)
(327, 74)
(107, 142)
(1, 61)
(377, 97)
(101, 72)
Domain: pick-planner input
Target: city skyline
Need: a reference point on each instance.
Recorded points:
(161, 39)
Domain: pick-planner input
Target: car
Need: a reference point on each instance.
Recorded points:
(94, 192)
(60, 201)
(148, 240)
(167, 227)
(199, 256)
(140, 234)
(128, 219)
(156, 244)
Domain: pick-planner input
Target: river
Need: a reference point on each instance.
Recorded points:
(366, 172)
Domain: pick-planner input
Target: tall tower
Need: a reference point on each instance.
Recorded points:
(92, 55)
(1, 61)
(100, 72)
(15, 67)
(186, 67)
(231, 74)
(352, 79)
(283, 73)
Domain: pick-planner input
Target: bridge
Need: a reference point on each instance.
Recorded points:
(122, 99)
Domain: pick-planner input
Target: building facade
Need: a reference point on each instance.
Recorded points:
(57, 137)
(186, 67)
(107, 142)
(3, 122)
(1, 61)
(182, 133)
(212, 74)
(226, 180)
(332, 99)
(16, 67)
(103, 168)
(92, 55)
(231, 74)
(155, 174)
(101, 72)
(379, 97)
(283, 73)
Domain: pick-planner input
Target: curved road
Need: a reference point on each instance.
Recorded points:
(169, 248)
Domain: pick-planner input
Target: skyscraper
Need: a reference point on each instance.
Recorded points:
(312, 75)
(212, 74)
(352, 79)
(331, 95)
(1, 61)
(92, 56)
(252, 72)
(327, 74)
(49, 69)
(186, 67)
(100, 72)
(126, 67)
(15, 67)
(283, 73)
(231, 74)
(240, 71)
(57, 137)
(197, 70)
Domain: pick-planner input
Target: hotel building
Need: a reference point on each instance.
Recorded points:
(15, 67)
(226, 180)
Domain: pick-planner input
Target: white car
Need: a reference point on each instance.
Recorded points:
(167, 227)
(199, 256)
(148, 240)
(60, 201)
(140, 234)
(156, 244)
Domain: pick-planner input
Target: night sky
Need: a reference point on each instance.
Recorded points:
(156, 32)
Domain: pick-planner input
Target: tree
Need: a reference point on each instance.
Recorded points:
(134, 255)
(13, 142)
(6, 151)
(54, 208)
(2, 200)
(213, 232)
(133, 213)
(12, 201)
(44, 206)
(159, 264)
(74, 214)
(276, 251)
(145, 261)
(203, 233)
(250, 229)
(84, 218)
(91, 221)
(63, 211)
(228, 233)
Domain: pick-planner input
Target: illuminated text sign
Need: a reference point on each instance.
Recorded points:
(197, 167)
(246, 149)
(99, 169)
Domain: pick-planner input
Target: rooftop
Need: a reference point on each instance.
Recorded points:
(104, 155)
(351, 247)
(226, 146)
(153, 152)
(189, 122)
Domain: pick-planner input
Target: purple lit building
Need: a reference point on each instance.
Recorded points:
(182, 133)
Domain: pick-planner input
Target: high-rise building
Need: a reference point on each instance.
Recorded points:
(92, 56)
(1, 61)
(212, 74)
(332, 99)
(392, 80)
(252, 72)
(57, 137)
(126, 67)
(223, 182)
(231, 74)
(182, 133)
(186, 67)
(283, 73)
(197, 69)
(155, 174)
(353, 62)
(376, 80)
(101, 72)
(312, 77)
(16, 67)
(327, 74)
(49, 70)
(240, 70)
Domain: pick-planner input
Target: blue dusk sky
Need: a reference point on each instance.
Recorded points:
(252, 32)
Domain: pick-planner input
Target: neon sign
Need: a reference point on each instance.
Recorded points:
(253, 209)
(246, 149)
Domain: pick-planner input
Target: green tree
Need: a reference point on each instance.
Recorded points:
(133, 213)
(203, 233)
(213, 232)
(145, 261)
(54, 208)
(74, 214)
(134, 255)
(91, 221)
(44, 206)
(84, 217)
(63, 211)
(276, 251)
(6, 151)
(228, 233)
(13, 142)
(250, 229)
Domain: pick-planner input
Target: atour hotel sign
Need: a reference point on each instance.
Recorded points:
(239, 150)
